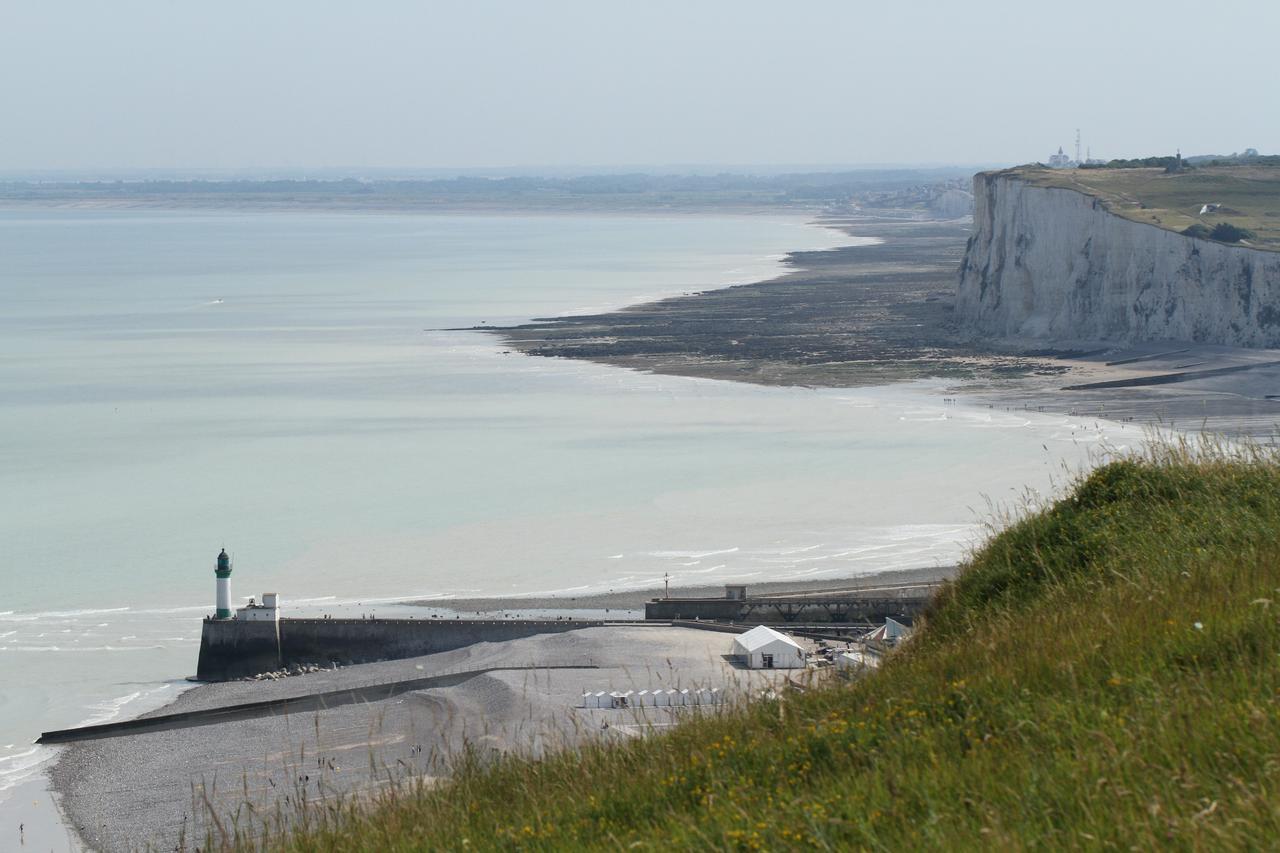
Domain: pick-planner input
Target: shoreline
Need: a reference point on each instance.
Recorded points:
(842, 317)
(869, 315)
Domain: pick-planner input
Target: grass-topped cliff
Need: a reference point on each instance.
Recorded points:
(1247, 196)
(1104, 673)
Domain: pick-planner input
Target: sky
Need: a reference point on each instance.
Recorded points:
(386, 84)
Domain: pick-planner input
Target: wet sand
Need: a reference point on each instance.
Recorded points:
(30, 819)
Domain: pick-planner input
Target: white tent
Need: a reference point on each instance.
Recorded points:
(854, 662)
(764, 648)
(890, 633)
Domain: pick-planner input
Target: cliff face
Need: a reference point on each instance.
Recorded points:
(1054, 264)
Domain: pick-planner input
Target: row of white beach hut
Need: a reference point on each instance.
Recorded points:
(659, 697)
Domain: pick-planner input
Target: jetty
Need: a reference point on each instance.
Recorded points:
(858, 606)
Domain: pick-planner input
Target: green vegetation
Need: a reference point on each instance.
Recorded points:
(1104, 673)
(1166, 163)
(1245, 196)
(1223, 232)
(1227, 233)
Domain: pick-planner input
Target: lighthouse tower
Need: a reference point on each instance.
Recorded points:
(223, 574)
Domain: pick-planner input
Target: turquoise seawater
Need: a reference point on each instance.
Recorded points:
(280, 384)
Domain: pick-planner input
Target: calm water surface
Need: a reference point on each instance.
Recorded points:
(278, 384)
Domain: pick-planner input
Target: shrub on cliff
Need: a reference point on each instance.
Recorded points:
(1166, 163)
(1225, 232)
(1197, 229)
(1103, 674)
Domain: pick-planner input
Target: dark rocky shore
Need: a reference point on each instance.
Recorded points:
(857, 315)
(876, 314)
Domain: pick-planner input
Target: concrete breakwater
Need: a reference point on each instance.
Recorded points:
(321, 701)
(238, 648)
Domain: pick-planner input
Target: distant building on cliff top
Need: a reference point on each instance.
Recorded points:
(1061, 160)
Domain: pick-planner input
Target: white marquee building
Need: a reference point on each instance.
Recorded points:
(764, 648)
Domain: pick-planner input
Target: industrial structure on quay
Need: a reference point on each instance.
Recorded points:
(256, 638)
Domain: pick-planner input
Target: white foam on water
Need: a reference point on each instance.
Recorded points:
(108, 709)
(21, 766)
(11, 616)
(696, 554)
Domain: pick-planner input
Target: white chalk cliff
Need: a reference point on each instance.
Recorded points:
(1055, 264)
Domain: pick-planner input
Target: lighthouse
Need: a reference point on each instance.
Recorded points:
(223, 574)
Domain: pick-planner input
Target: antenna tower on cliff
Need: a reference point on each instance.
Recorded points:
(1077, 145)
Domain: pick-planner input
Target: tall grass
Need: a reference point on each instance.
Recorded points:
(1103, 673)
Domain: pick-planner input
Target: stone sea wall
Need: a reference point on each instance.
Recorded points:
(1055, 264)
(235, 648)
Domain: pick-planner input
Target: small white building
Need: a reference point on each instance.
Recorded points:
(764, 648)
(267, 611)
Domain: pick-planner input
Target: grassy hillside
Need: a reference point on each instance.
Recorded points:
(1104, 673)
(1249, 195)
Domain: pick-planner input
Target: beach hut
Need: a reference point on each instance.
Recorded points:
(764, 648)
(662, 697)
(644, 699)
(620, 698)
(682, 697)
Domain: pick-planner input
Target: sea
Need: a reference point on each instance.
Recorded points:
(292, 386)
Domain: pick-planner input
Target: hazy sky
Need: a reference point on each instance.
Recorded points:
(303, 83)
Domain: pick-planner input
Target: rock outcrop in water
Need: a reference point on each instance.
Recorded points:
(1055, 264)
